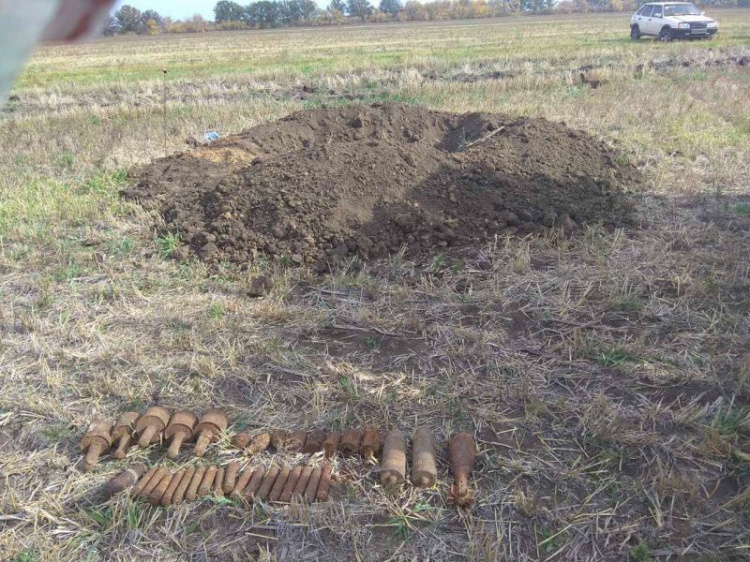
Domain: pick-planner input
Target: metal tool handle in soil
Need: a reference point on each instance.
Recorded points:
(164, 107)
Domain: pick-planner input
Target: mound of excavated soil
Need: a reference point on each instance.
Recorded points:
(320, 185)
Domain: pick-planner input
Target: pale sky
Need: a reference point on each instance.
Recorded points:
(180, 9)
(177, 9)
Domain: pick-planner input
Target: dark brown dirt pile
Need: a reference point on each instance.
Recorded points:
(320, 185)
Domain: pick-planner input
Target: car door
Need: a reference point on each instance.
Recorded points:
(644, 20)
(656, 21)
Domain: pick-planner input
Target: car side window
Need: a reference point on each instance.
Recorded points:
(647, 11)
(657, 12)
(640, 12)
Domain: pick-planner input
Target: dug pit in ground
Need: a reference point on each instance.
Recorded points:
(321, 185)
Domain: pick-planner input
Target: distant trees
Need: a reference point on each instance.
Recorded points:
(392, 7)
(268, 14)
(111, 26)
(359, 8)
(130, 19)
(226, 11)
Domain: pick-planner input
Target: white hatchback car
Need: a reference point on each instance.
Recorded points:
(671, 20)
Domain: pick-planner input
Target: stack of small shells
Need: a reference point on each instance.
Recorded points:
(273, 483)
(163, 487)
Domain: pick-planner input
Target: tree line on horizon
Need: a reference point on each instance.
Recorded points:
(271, 14)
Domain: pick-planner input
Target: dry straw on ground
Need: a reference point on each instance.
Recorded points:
(603, 374)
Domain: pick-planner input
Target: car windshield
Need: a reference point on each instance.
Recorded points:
(681, 10)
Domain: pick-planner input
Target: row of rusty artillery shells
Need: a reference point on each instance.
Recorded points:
(368, 443)
(155, 425)
(182, 425)
(163, 487)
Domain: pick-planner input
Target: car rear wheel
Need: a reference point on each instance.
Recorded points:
(666, 35)
(635, 33)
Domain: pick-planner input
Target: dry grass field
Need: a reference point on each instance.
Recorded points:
(606, 376)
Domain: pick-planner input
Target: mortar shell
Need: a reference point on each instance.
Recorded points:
(324, 485)
(154, 498)
(166, 499)
(151, 424)
(314, 442)
(212, 423)
(219, 483)
(423, 466)
(463, 450)
(145, 479)
(370, 445)
(350, 441)
(242, 482)
(122, 434)
(254, 484)
(241, 439)
(192, 491)
(286, 493)
(182, 487)
(207, 482)
(124, 480)
(278, 485)
(393, 467)
(97, 440)
(278, 438)
(296, 441)
(312, 485)
(154, 482)
(268, 481)
(230, 476)
(331, 443)
(304, 479)
(258, 444)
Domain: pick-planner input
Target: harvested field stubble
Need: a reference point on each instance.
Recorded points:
(604, 375)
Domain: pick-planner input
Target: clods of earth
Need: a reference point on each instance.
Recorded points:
(319, 186)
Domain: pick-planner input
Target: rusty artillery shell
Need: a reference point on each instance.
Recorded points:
(179, 493)
(207, 482)
(230, 476)
(278, 485)
(350, 441)
(255, 483)
(267, 484)
(218, 483)
(325, 483)
(296, 441)
(97, 440)
(291, 482)
(241, 439)
(393, 468)
(312, 485)
(331, 443)
(423, 465)
(122, 433)
(192, 491)
(242, 482)
(304, 479)
(258, 444)
(314, 442)
(161, 472)
(463, 452)
(154, 498)
(278, 438)
(145, 479)
(370, 445)
(124, 480)
(166, 499)
(151, 424)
